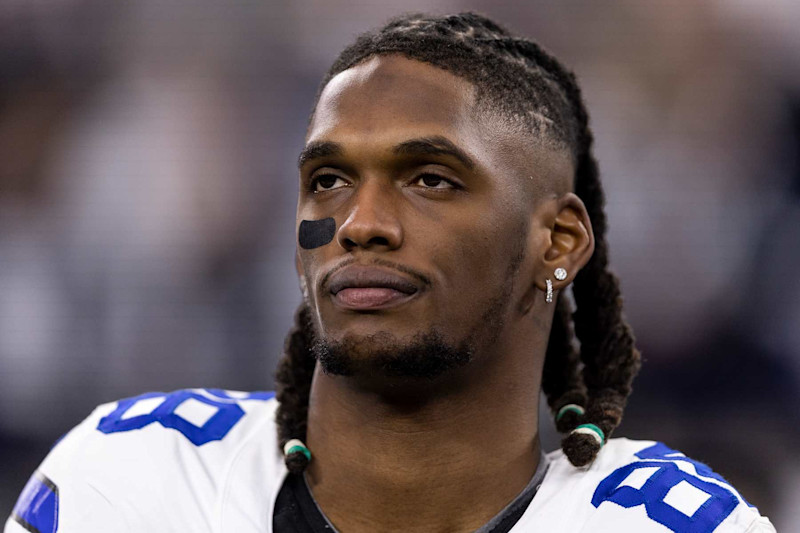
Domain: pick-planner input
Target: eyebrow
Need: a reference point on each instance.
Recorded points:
(435, 145)
(318, 150)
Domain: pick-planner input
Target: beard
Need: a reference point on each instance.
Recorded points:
(426, 355)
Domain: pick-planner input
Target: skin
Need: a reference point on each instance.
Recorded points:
(444, 454)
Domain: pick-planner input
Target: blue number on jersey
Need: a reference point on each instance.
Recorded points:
(215, 427)
(661, 451)
(713, 502)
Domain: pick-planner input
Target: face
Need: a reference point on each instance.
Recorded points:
(420, 212)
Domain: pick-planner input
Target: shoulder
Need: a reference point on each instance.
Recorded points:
(146, 461)
(643, 486)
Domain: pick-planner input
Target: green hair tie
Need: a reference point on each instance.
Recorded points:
(594, 431)
(570, 407)
(296, 445)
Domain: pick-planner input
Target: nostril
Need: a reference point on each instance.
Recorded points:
(378, 241)
(349, 243)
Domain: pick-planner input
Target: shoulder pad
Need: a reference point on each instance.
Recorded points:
(153, 462)
(647, 486)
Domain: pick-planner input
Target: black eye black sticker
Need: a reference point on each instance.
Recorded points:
(316, 233)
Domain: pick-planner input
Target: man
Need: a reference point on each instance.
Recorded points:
(448, 194)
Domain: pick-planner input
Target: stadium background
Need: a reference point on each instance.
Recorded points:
(147, 195)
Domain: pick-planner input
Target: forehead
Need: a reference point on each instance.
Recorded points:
(389, 92)
(388, 99)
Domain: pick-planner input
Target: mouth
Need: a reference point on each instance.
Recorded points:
(368, 288)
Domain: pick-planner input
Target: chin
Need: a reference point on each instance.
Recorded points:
(364, 344)
(424, 355)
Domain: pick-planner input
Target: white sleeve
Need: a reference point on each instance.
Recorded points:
(61, 494)
(761, 525)
(150, 463)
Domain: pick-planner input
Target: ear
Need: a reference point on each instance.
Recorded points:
(571, 242)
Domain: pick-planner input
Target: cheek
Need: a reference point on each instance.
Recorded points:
(315, 233)
(475, 258)
(310, 261)
(314, 238)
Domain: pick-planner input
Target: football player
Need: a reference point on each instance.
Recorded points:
(448, 197)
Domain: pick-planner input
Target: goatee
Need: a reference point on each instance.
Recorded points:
(426, 355)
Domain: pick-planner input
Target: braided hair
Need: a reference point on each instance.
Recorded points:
(517, 80)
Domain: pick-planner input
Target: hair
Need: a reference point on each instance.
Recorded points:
(517, 80)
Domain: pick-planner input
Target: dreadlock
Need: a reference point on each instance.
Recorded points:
(520, 82)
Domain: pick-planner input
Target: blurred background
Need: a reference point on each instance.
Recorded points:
(147, 197)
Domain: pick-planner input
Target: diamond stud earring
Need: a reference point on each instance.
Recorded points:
(560, 274)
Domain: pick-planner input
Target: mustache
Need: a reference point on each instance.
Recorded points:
(419, 276)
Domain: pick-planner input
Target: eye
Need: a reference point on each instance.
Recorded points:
(433, 181)
(327, 182)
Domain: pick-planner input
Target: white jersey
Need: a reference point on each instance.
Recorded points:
(207, 461)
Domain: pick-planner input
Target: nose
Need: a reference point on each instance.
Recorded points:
(373, 221)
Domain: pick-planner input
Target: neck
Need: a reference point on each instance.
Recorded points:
(447, 461)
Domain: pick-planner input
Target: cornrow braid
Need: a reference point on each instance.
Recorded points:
(516, 79)
(293, 381)
(608, 348)
(561, 379)
(610, 358)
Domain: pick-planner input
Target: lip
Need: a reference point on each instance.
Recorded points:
(368, 288)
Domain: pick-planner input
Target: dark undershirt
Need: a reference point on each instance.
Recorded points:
(296, 511)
